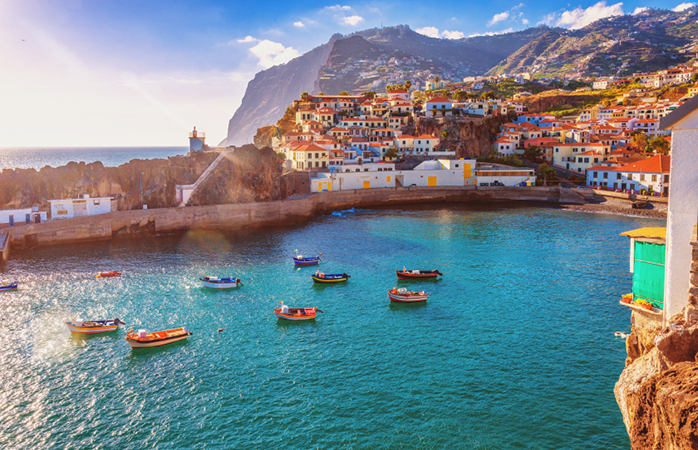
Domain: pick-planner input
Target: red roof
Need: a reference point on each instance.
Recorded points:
(655, 164)
(439, 100)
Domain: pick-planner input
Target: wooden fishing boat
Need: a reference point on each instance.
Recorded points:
(6, 287)
(109, 274)
(301, 260)
(405, 274)
(220, 283)
(142, 339)
(402, 295)
(77, 326)
(320, 277)
(296, 314)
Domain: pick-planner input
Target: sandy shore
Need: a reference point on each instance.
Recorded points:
(622, 208)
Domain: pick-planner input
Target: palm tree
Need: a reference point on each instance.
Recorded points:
(304, 97)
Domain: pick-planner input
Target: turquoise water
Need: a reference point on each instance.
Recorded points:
(38, 157)
(515, 348)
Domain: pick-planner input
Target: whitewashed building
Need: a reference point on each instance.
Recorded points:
(650, 175)
(80, 207)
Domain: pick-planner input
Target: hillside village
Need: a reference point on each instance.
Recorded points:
(345, 133)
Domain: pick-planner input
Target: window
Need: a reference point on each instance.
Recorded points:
(596, 175)
(642, 177)
(316, 156)
(605, 175)
(654, 177)
(666, 178)
(618, 176)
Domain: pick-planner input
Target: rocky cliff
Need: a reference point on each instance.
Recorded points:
(468, 137)
(248, 175)
(658, 390)
(252, 174)
(354, 62)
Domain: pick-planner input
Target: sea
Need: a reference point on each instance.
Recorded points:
(515, 347)
(38, 157)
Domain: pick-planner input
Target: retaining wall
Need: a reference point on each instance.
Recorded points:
(139, 223)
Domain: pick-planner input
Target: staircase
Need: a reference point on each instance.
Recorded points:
(209, 170)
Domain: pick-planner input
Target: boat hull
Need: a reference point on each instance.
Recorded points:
(11, 287)
(91, 330)
(309, 315)
(108, 274)
(328, 280)
(219, 284)
(309, 261)
(415, 276)
(407, 298)
(158, 343)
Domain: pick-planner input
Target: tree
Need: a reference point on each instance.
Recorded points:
(369, 94)
(460, 95)
(304, 97)
(321, 93)
(659, 145)
(546, 172)
(694, 77)
(407, 84)
(444, 134)
(343, 93)
(391, 153)
(436, 79)
(533, 152)
(281, 156)
(639, 140)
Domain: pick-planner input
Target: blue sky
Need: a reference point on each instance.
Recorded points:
(81, 73)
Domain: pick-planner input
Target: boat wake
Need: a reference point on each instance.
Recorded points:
(341, 213)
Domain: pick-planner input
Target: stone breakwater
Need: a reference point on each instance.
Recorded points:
(240, 216)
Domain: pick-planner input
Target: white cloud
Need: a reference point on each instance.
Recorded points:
(493, 33)
(435, 33)
(579, 17)
(299, 24)
(684, 6)
(498, 18)
(273, 53)
(640, 9)
(339, 8)
(351, 20)
(248, 39)
(525, 21)
(452, 34)
(428, 31)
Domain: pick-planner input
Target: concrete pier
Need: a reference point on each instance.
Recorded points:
(139, 223)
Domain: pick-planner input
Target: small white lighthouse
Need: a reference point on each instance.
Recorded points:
(196, 141)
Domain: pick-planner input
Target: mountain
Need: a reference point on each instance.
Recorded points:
(365, 60)
(619, 46)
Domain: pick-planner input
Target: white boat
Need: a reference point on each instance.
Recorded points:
(220, 283)
(402, 295)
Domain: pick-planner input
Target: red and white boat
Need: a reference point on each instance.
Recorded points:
(109, 274)
(296, 314)
(143, 339)
(402, 295)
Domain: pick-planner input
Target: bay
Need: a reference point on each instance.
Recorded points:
(514, 349)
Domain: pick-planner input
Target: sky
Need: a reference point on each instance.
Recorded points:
(142, 73)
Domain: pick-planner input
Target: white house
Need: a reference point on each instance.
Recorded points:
(650, 175)
(80, 207)
(23, 216)
(439, 107)
(505, 176)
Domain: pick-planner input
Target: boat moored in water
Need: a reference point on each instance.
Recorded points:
(414, 274)
(402, 295)
(109, 274)
(296, 314)
(320, 277)
(300, 260)
(78, 326)
(143, 339)
(9, 286)
(220, 283)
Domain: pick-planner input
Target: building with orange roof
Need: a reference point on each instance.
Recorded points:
(439, 107)
(649, 175)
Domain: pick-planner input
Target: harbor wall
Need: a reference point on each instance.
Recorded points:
(4, 248)
(141, 223)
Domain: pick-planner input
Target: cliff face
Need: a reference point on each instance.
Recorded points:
(22, 188)
(469, 138)
(658, 389)
(249, 175)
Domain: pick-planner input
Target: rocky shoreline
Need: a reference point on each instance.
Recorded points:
(622, 208)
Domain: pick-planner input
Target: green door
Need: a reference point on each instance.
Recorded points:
(648, 272)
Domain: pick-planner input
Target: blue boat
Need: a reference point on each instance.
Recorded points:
(220, 283)
(9, 286)
(301, 260)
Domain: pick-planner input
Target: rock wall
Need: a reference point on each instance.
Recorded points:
(248, 175)
(469, 137)
(22, 188)
(657, 391)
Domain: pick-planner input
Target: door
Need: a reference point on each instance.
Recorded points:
(28, 218)
(432, 181)
(466, 171)
(367, 184)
